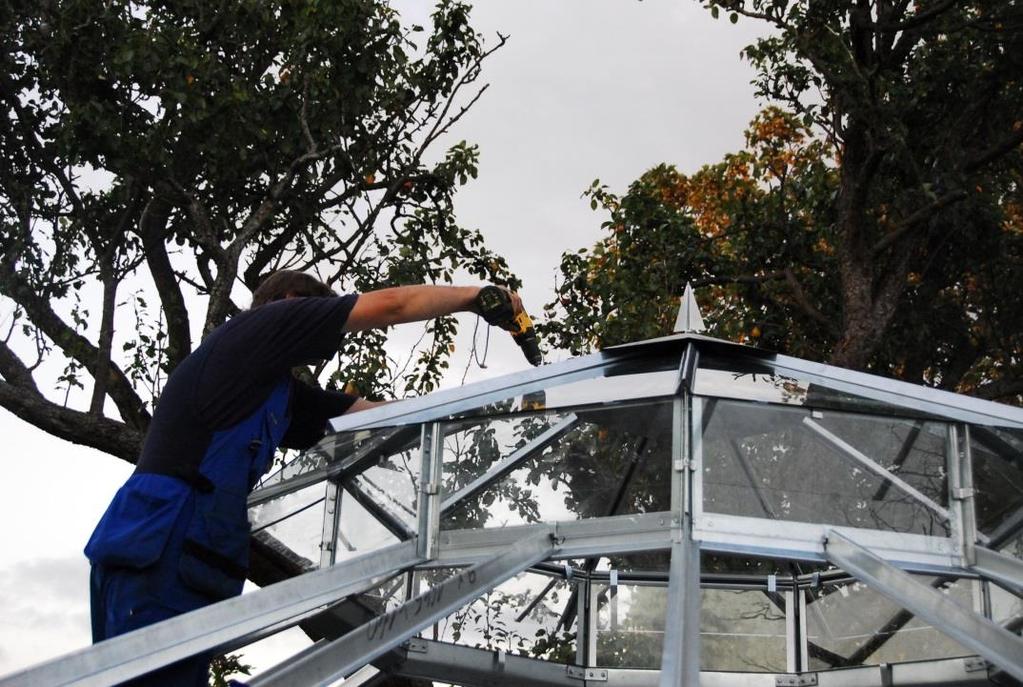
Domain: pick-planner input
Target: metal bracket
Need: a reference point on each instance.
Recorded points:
(417, 645)
(800, 680)
(430, 488)
(887, 679)
(963, 493)
(975, 664)
(500, 661)
(586, 674)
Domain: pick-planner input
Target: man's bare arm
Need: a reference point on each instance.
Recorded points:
(377, 309)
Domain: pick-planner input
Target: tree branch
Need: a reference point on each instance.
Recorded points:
(1005, 388)
(104, 434)
(73, 344)
(802, 301)
(917, 20)
(151, 229)
(915, 219)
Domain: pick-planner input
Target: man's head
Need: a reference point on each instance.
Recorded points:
(288, 284)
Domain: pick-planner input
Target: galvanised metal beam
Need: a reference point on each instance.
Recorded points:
(576, 538)
(229, 622)
(509, 463)
(964, 626)
(1005, 570)
(915, 397)
(357, 648)
(680, 654)
(462, 665)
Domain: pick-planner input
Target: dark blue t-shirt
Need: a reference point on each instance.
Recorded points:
(234, 370)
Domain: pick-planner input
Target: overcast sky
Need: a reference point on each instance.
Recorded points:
(583, 89)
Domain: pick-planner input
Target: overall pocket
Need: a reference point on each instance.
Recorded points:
(215, 552)
(136, 526)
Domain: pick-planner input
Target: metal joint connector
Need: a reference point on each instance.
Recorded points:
(975, 664)
(417, 646)
(587, 674)
(801, 680)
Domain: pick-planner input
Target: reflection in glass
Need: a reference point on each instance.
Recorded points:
(848, 624)
(742, 630)
(295, 519)
(392, 484)
(521, 616)
(610, 461)
(775, 462)
(998, 479)
(630, 625)
(359, 532)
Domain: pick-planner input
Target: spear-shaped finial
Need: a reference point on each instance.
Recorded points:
(689, 318)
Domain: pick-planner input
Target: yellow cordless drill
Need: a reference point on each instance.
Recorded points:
(495, 305)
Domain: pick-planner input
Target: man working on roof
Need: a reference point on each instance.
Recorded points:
(176, 535)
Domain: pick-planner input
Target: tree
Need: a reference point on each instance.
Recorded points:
(883, 189)
(182, 151)
(161, 158)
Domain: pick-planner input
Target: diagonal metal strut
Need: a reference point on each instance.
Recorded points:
(357, 648)
(141, 651)
(989, 640)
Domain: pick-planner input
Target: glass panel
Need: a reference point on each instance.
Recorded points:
(997, 477)
(521, 616)
(848, 624)
(392, 483)
(630, 625)
(358, 531)
(757, 380)
(785, 463)
(742, 630)
(611, 461)
(295, 519)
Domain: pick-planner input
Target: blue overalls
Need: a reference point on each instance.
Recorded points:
(166, 546)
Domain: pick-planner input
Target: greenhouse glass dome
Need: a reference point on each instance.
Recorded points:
(677, 511)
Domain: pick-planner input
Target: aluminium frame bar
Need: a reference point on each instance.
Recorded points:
(360, 646)
(964, 626)
(937, 402)
(225, 623)
(680, 656)
(617, 534)
(872, 465)
(1005, 570)
(510, 462)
